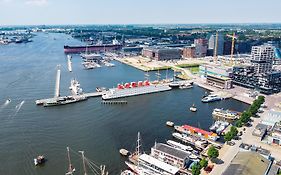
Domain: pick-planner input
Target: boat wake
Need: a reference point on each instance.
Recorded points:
(18, 107)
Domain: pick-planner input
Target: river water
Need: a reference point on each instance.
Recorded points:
(27, 73)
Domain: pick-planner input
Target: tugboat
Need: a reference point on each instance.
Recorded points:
(39, 160)
(193, 108)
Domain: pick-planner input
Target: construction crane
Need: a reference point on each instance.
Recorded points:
(216, 48)
(232, 46)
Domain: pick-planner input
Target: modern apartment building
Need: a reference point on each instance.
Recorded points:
(262, 58)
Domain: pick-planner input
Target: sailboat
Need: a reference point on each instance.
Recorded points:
(138, 167)
(193, 108)
(71, 169)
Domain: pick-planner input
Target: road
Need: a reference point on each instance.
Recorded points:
(227, 153)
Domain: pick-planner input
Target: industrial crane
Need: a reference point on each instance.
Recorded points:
(232, 45)
(216, 48)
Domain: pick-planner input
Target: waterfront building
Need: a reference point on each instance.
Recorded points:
(219, 81)
(262, 58)
(249, 162)
(152, 163)
(162, 53)
(201, 47)
(215, 70)
(266, 83)
(170, 155)
(220, 46)
(188, 52)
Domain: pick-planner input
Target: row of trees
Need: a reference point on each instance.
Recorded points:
(252, 111)
(231, 134)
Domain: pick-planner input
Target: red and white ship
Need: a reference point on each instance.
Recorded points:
(134, 88)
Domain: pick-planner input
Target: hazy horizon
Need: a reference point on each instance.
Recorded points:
(124, 12)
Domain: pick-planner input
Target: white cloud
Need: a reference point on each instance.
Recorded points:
(36, 2)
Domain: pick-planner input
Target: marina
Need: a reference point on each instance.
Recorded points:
(92, 124)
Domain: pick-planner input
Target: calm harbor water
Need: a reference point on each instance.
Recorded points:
(27, 73)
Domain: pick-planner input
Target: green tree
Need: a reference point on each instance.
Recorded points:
(234, 131)
(212, 153)
(239, 123)
(228, 137)
(203, 163)
(195, 169)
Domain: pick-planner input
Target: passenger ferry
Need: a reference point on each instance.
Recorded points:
(211, 98)
(134, 88)
(226, 114)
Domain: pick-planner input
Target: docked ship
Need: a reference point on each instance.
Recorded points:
(134, 88)
(75, 87)
(211, 98)
(219, 126)
(186, 129)
(64, 100)
(226, 114)
(93, 48)
(197, 142)
(179, 145)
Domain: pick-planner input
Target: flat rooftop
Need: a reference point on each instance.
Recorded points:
(172, 151)
(246, 163)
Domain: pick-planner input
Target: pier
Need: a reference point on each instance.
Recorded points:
(114, 102)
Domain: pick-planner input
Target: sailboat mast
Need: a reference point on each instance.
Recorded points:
(138, 148)
(83, 159)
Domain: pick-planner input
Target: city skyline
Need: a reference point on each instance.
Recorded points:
(39, 12)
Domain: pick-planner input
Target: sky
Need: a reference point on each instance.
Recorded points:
(39, 12)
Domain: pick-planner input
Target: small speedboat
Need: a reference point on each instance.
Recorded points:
(193, 108)
(39, 160)
(169, 123)
(124, 152)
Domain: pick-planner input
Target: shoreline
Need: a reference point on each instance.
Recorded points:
(229, 92)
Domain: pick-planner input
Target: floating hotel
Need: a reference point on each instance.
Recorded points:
(132, 89)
